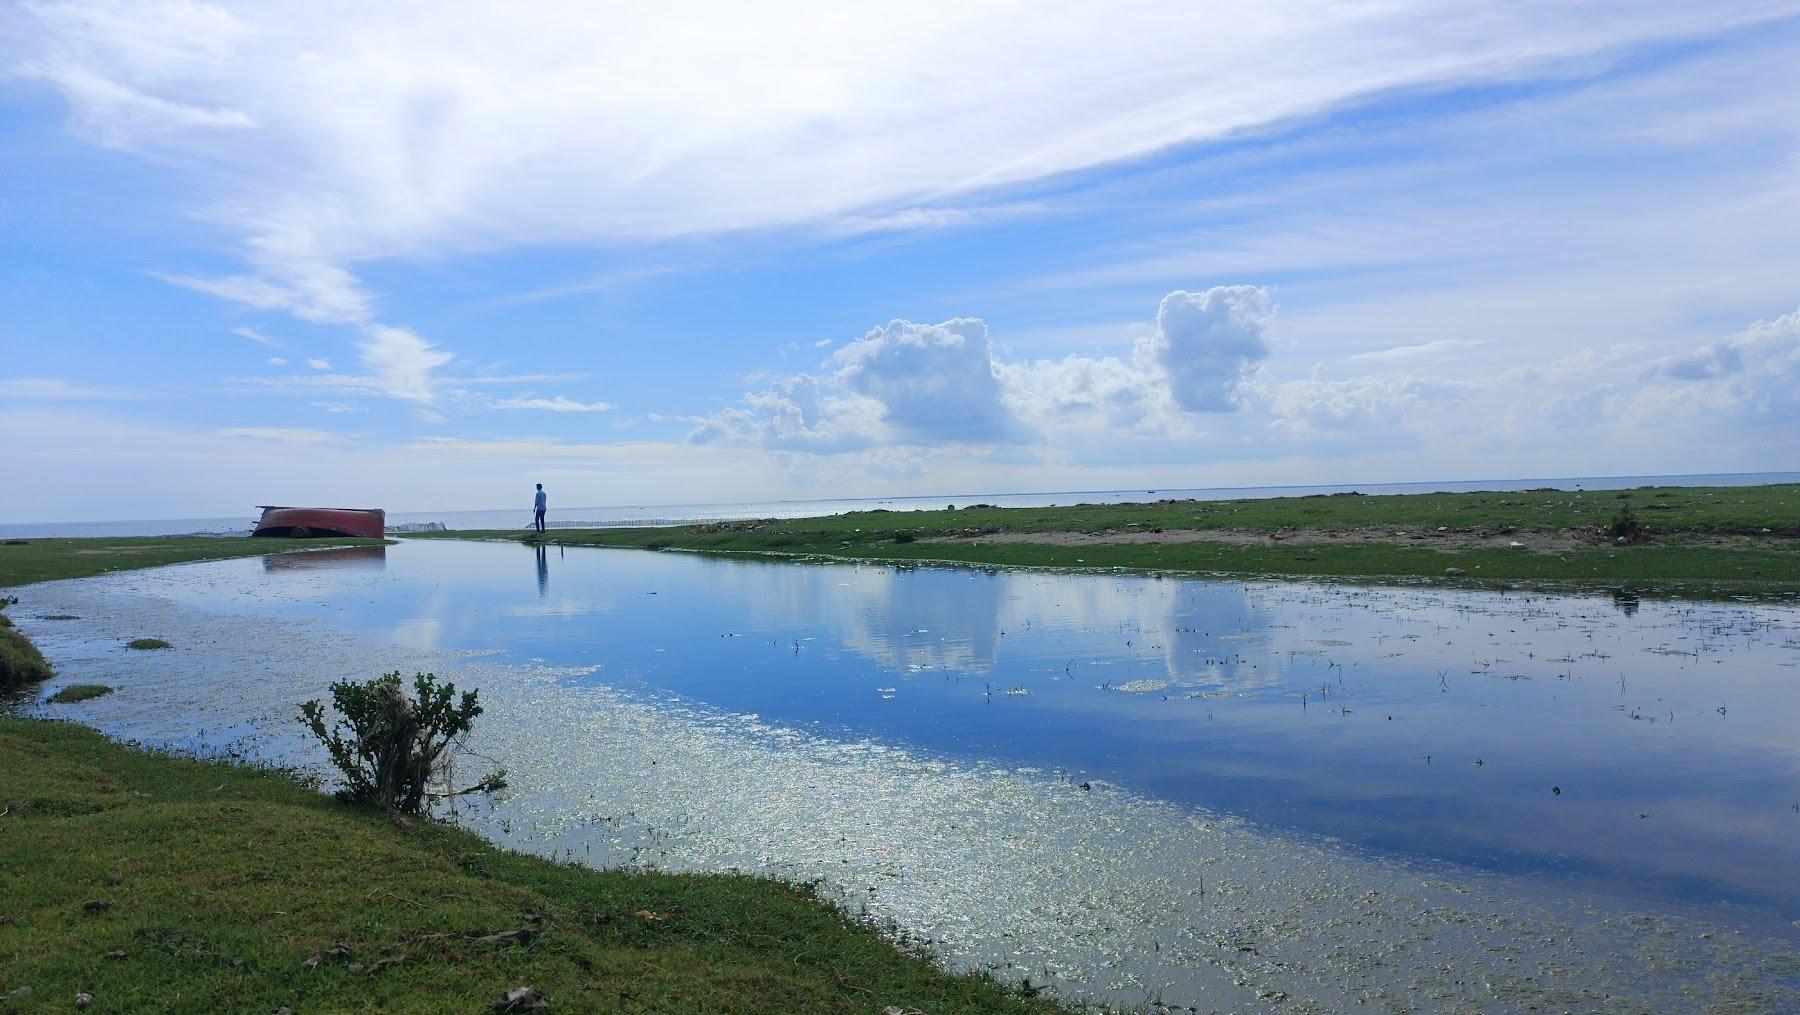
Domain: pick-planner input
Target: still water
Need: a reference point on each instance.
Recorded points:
(1316, 750)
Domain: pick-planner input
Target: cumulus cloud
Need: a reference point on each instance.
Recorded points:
(942, 384)
(318, 363)
(935, 382)
(1209, 343)
(1105, 389)
(793, 414)
(1754, 373)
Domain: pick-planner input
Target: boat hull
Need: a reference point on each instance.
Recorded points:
(301, 522)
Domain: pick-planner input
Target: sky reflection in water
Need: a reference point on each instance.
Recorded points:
(1652, 746)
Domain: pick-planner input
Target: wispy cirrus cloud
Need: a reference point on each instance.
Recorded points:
(256, 336)
(356, 132)
(281, 434)
(61, 390)
(1420, 351)
(557, 403)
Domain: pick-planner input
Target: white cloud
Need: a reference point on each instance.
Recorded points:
(920, 385)
(318, 363)
(1209, 343)
(558, 403)
(280, 434)
(1754, 374)
(793, 413)
(1357, 403)
(935, 382)
(53, 388)
(256, 336)
(310, 290)
(1100, 390)
(277, 361)
(401, 363)
(336, 133)
(1422, 351)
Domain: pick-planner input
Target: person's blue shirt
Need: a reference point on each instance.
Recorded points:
(542, 500)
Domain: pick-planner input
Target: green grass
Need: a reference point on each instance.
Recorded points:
(79, 692)
(147, 643)
(21, 663)
(1703, 540)
(161, 884)
(38, 560)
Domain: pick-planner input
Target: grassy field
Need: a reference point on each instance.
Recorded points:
(36, 560)
(1705, 540)
(160, 884)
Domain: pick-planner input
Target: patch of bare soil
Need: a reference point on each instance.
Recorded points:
(1535, 540)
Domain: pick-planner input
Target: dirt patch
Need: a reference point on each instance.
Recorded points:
(1535, 541)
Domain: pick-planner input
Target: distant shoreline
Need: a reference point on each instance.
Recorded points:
(667, 515)
(1663, 540)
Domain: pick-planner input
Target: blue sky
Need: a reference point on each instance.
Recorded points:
(428, 255)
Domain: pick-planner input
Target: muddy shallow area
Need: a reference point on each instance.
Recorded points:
(858, 727)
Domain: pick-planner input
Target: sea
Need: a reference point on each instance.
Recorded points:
(689, 514)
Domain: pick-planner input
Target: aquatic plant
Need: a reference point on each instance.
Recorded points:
(391, 746)
(147, 644)
(79, 692)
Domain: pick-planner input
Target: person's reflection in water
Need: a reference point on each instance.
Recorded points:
(543, 561)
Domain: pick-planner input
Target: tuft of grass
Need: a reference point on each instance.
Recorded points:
(157, 883)
(78, 692)
(49, 559)
(147, 643)
(21, 664)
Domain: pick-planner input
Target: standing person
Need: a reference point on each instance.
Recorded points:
(539, 507)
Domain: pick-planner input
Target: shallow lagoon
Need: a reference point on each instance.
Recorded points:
(1343, 796)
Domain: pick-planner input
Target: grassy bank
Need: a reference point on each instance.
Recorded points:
(1706, 540)
(36, 560)
(162, 884)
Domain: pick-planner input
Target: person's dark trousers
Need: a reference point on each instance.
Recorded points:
(539, 521)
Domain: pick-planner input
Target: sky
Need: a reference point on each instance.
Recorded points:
(423, 255)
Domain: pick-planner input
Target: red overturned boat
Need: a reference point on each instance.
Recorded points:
(301, 522)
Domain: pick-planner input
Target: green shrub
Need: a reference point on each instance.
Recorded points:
(904, 537)
(1624, 527)
(147, 643)
(391, 745)
(20, 661)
